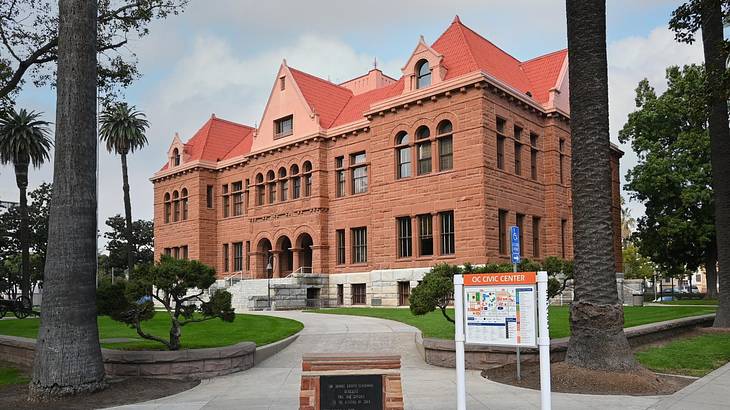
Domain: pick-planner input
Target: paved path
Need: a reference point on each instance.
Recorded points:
(274, 383)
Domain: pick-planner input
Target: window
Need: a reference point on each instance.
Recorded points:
(521, 228)
(175, 206)
(423, 150)
(168, 207)
(176, 252)
(237, 188)
(518, 133)
(307, 178)
(296, 182)
(563, 246)
(445, 143)
(501, 124)
(284, 184)
(272, 186)
(184, 251)
(425, 235)
(209, 196)
(248, 256)
(359, 245)
(502, 232)
(404, 292)
(359, 173)
(168, 251)
(359, 296)
(260, 190)
(536, 236)
(340, 294)
(405, 239)
(282, 83)
(184, 202)
(175, 157)
(403, 156)
(238, 256)
(533, 156)
(340, 176)
(448, 240)
(284, 126)
(423, 74)
(561, 147)
(340, 234)
(226, 201)
(226, 256)
(518, 158)
(500, 152)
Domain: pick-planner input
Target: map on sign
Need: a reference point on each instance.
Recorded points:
(501, 315)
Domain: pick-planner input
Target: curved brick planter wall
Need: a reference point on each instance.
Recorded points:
(439, 352)
(193, 364)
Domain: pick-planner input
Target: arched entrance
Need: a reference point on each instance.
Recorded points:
(263, 249)
(304, 244)
(286, 260)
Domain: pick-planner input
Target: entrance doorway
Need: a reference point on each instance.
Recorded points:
(304, 242)
(286, 260)
(340, 295)
(263, 248)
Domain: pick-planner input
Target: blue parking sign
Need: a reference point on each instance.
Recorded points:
(515, 235)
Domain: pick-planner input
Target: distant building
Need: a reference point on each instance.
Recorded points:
(369, 183)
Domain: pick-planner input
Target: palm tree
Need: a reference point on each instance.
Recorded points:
(628, 223)
(597, 338)
(24, 140)
(122, 128)
(68, 356)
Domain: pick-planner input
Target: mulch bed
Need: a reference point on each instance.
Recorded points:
(570, 379)
(119, 392)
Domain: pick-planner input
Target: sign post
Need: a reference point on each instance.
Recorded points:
(515, 235)
(502, 309)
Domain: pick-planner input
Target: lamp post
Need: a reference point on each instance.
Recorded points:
(269, 271)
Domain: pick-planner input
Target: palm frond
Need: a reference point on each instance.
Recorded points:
(24, 138)
(123, 128)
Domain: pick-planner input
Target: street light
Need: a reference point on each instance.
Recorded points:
(269, 271)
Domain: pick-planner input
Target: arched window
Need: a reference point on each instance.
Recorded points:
(296, 181)
(423, 150)
(403, 155)
(168, 207)
(446, 145)
(260, 189)
(423, 74)
(284, 182)
(175, 157)
(270, 177)
(184, 201)
(175, 206)
(307, 178)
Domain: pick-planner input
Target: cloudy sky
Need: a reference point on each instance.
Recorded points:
(221, 56)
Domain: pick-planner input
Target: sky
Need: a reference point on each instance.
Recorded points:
(222, 56)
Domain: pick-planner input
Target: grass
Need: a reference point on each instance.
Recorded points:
(213, 333)
(10, 375)
(691, 302)
(434, 325)
(695, 356)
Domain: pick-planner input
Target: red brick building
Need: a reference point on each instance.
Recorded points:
(369, 183)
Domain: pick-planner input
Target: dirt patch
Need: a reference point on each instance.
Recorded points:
(119, 392)
(570, 379)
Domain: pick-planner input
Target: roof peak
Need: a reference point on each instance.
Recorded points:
(457, 20)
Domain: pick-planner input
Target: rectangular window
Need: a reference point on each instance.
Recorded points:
(340, 234)
(518, 133)
(404, 162)
(424, 157)
(167, 212)
(168, 251)
(359, 173)
(296, 187)
(536, 236)
(238, 256)
(448, 240)
(176, 211)
(176, 252)
(248, 256)
(359, 245)
(500, 152)
(533, 156)
(272, 192)
(501, 125)
(237, 188)
(282, 83)
(446, 153)
(226, 258)
(359, 295)
(562, 177)
(425, 235)
(209, 196)
(307, 184)
(563, 245)
(404, 292)
(284, 126)
(226, 203)
(260, 194)
(518, 158)
(405, 240)
(502, 232)
(284, 189)
(340, 175)
(521, 228)
(184, 251)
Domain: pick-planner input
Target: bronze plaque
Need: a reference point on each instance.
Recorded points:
(351, 392)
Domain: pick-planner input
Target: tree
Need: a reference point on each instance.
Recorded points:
(636, 266)
(143, 242)
(122, 128)
(24, 140)
(673, 177)
(597, 338)
(708, 15)
(628, 223)
(169, 282)
(29, 33)
(68, 356)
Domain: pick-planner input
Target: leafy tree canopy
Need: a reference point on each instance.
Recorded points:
(38, 207)
(143, 235)
(636, 266)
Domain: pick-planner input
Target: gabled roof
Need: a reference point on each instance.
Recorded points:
(325, 98)
(360, 103)
(216, 138)
(543, 73)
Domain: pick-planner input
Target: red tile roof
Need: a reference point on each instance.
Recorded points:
(360, 103)
(543, 73)
(216, 138)
(325, 98)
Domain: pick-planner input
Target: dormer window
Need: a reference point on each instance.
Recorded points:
(284, 126)
(282, 83)
(175, 157)
(423, 74)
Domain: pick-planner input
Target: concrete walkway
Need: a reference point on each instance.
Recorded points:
(274, 383)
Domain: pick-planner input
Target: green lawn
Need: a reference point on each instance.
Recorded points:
(691, 302)
(11, 375)
(695, 356)
(434, 325)
(213, 333)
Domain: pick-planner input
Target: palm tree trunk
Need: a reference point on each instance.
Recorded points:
(68, 356)
(715, 58)
(21, 177)
(711, 271)
(127, 214)
(596, 317)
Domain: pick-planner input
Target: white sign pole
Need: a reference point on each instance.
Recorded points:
(459, 341)
(543, 341)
